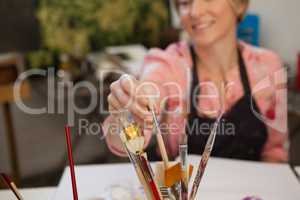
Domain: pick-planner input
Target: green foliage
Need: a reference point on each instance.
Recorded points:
(40, 58)
(76, 27)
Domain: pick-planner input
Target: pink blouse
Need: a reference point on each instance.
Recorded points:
(267, 80)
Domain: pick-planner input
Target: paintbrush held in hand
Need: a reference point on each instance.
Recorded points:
(131, 134)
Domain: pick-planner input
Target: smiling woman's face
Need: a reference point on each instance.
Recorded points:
(207, 21)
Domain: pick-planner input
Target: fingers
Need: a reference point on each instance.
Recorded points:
(148, 95)
(141, 112)
(120, 95)
(128, 83)
(128, 93)
(141, 91)
(124, 91)
(113, 104)
(134, 89)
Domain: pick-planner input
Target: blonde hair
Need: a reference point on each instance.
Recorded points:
(235, 5)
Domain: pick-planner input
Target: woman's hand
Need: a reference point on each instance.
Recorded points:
(135, 96)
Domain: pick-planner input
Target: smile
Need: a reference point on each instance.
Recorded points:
(202, 26)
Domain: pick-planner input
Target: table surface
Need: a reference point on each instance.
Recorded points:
(46, 193)
(224, 179)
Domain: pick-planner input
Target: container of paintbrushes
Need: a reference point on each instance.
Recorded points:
(172, 177)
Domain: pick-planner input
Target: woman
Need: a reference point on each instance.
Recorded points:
(213, 73)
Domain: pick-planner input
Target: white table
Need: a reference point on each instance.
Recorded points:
(224, 179)
(30, 194)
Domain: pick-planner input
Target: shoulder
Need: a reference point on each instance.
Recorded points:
(263, 65)
(267, 78)
(175, 50)
(171, 59)
(262, 60)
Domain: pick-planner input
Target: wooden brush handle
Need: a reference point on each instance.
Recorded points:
(162, 150)
(159, 138)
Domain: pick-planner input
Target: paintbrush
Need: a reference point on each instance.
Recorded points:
(138, 170)
(131, 135)
(12, 186)
(133, 141)
(159, 137)
(149, 177)
(145, 174)
(71, 162)
(183, 153)
(204, 159)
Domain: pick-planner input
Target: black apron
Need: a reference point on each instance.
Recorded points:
(240, 135)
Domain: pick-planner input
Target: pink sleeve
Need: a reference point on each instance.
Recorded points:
(276, 114)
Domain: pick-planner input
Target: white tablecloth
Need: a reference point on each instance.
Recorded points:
(30, 194)
(224, 180)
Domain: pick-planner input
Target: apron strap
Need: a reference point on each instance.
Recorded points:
(195, 80)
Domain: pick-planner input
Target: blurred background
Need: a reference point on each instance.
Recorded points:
(79, 39)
